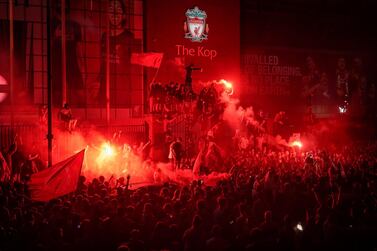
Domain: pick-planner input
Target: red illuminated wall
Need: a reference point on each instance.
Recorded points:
(219, 56)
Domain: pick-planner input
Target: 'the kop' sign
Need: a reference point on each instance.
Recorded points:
(199, 51)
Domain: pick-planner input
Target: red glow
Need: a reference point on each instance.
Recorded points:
(228, 86)
(107, 150)
(106, 155)
(296, 143)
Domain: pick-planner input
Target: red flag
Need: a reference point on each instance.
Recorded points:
(150, 59)
(4, 169)
(58, 180)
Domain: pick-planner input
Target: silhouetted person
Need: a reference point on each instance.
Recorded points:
(65, 115)
(189, 70)
(176, 153)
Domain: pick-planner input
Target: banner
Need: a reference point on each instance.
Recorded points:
(205, 34)
(291, 79)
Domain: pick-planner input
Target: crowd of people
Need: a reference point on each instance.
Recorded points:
(273, 200)
(169, 98)
(272, 197)
(174, 98)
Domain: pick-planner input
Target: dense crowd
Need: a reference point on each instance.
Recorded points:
(273, 200)
(176, 98)
(169, 98)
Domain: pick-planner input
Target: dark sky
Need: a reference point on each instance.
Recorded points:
(322, 24)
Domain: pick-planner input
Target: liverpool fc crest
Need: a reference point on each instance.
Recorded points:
(195, 26)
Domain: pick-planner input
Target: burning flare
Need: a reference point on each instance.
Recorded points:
(228, 86)
(107, 150)
(296, 143)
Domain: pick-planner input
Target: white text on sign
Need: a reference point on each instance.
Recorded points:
(199, 51)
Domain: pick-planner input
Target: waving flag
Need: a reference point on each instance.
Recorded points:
(58, 180)
(4, 169)
(150, 59)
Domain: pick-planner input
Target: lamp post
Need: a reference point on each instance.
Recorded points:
(49, 86)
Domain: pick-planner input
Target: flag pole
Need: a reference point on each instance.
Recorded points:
(64, 58)
(11, 61)
(108, 75)
(49, 86)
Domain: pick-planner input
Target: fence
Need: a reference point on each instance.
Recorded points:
(31, 134)
(28, 133)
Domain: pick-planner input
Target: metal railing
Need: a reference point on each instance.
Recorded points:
(26, 132)
(33, 133)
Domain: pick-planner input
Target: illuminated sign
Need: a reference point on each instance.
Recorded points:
(195, 26)
(200, 51)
